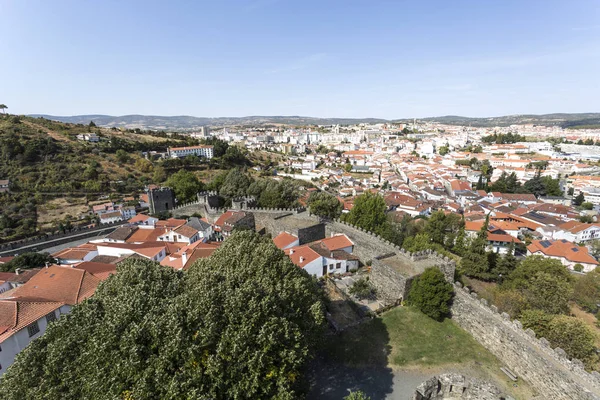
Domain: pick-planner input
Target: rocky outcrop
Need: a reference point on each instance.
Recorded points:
(454, 386)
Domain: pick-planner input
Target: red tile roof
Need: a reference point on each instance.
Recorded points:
(337, 242)
(284, 239)
(302, 252)
(63, 284)
(563, 249)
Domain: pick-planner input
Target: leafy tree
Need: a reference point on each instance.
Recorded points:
(510, 301)
(431, 294)
(595, 248)
(587, 219)
(586, 205)
(436, 227)
(217, 181)
(586, 291)
(219, 146)
(535, 185)
(235, 184)
(240, 324)
(234, 155)
(264, 313)
(27, 261)
(159, 174)
(324, 205)
(443, 150)
(579, 199)
(144, 165)
(368, 213)
(283, 194)
(122, 156)
(570, 191)
(569, 333)
(441, 225)
(552, 186)
(347, 167)
(185, 185)
(419, 242)
(544, 282)
(3, 108)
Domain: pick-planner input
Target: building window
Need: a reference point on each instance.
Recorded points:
(338, 265)
(51, 317)
(33, 329)
(330, 266)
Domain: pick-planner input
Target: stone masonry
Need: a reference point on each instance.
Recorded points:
(548, 370)
(455, 387)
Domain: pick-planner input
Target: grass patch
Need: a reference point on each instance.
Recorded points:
(405, 337)
(419, 340)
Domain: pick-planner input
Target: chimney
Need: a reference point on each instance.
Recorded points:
(184, 258)
(301, 259)
(18, 271)
(291, 251)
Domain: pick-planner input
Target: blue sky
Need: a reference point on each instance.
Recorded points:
(327, 58)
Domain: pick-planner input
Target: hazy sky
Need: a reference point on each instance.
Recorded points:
(324, 58)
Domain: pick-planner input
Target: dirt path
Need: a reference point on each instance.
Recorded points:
(54, 135)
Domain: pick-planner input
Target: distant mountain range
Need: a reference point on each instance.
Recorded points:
(185, 122)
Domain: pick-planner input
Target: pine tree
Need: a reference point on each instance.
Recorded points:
(506, 264)
(475, 260)
(577, 201)
(480, 185)
(460, 242)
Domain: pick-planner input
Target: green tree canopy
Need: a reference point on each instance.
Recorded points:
(586, 291)
(235, 184)
(368, 213)
(579, 199)
(431, 294)
(569, 333)
(185, 184)
(240, 324)
(122, 156)
(544, 282)
(324, 205)
(27, 261)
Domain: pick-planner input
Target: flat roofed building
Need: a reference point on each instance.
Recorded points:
(205, 151)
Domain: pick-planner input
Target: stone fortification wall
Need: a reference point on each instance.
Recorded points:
(50, 240)
(548, 370)
(391, 286)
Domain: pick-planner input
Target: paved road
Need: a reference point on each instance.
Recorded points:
(75, 238)
(334, 381)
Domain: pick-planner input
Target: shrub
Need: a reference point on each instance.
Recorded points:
(362, 289)
(578, 267)
(510, 301)
(358, 395)
(431, 294)
(569, 333)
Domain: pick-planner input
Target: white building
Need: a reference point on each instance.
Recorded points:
(205, 151)
(28, 310)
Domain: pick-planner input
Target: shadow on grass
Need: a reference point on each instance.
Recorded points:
(356, 359)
